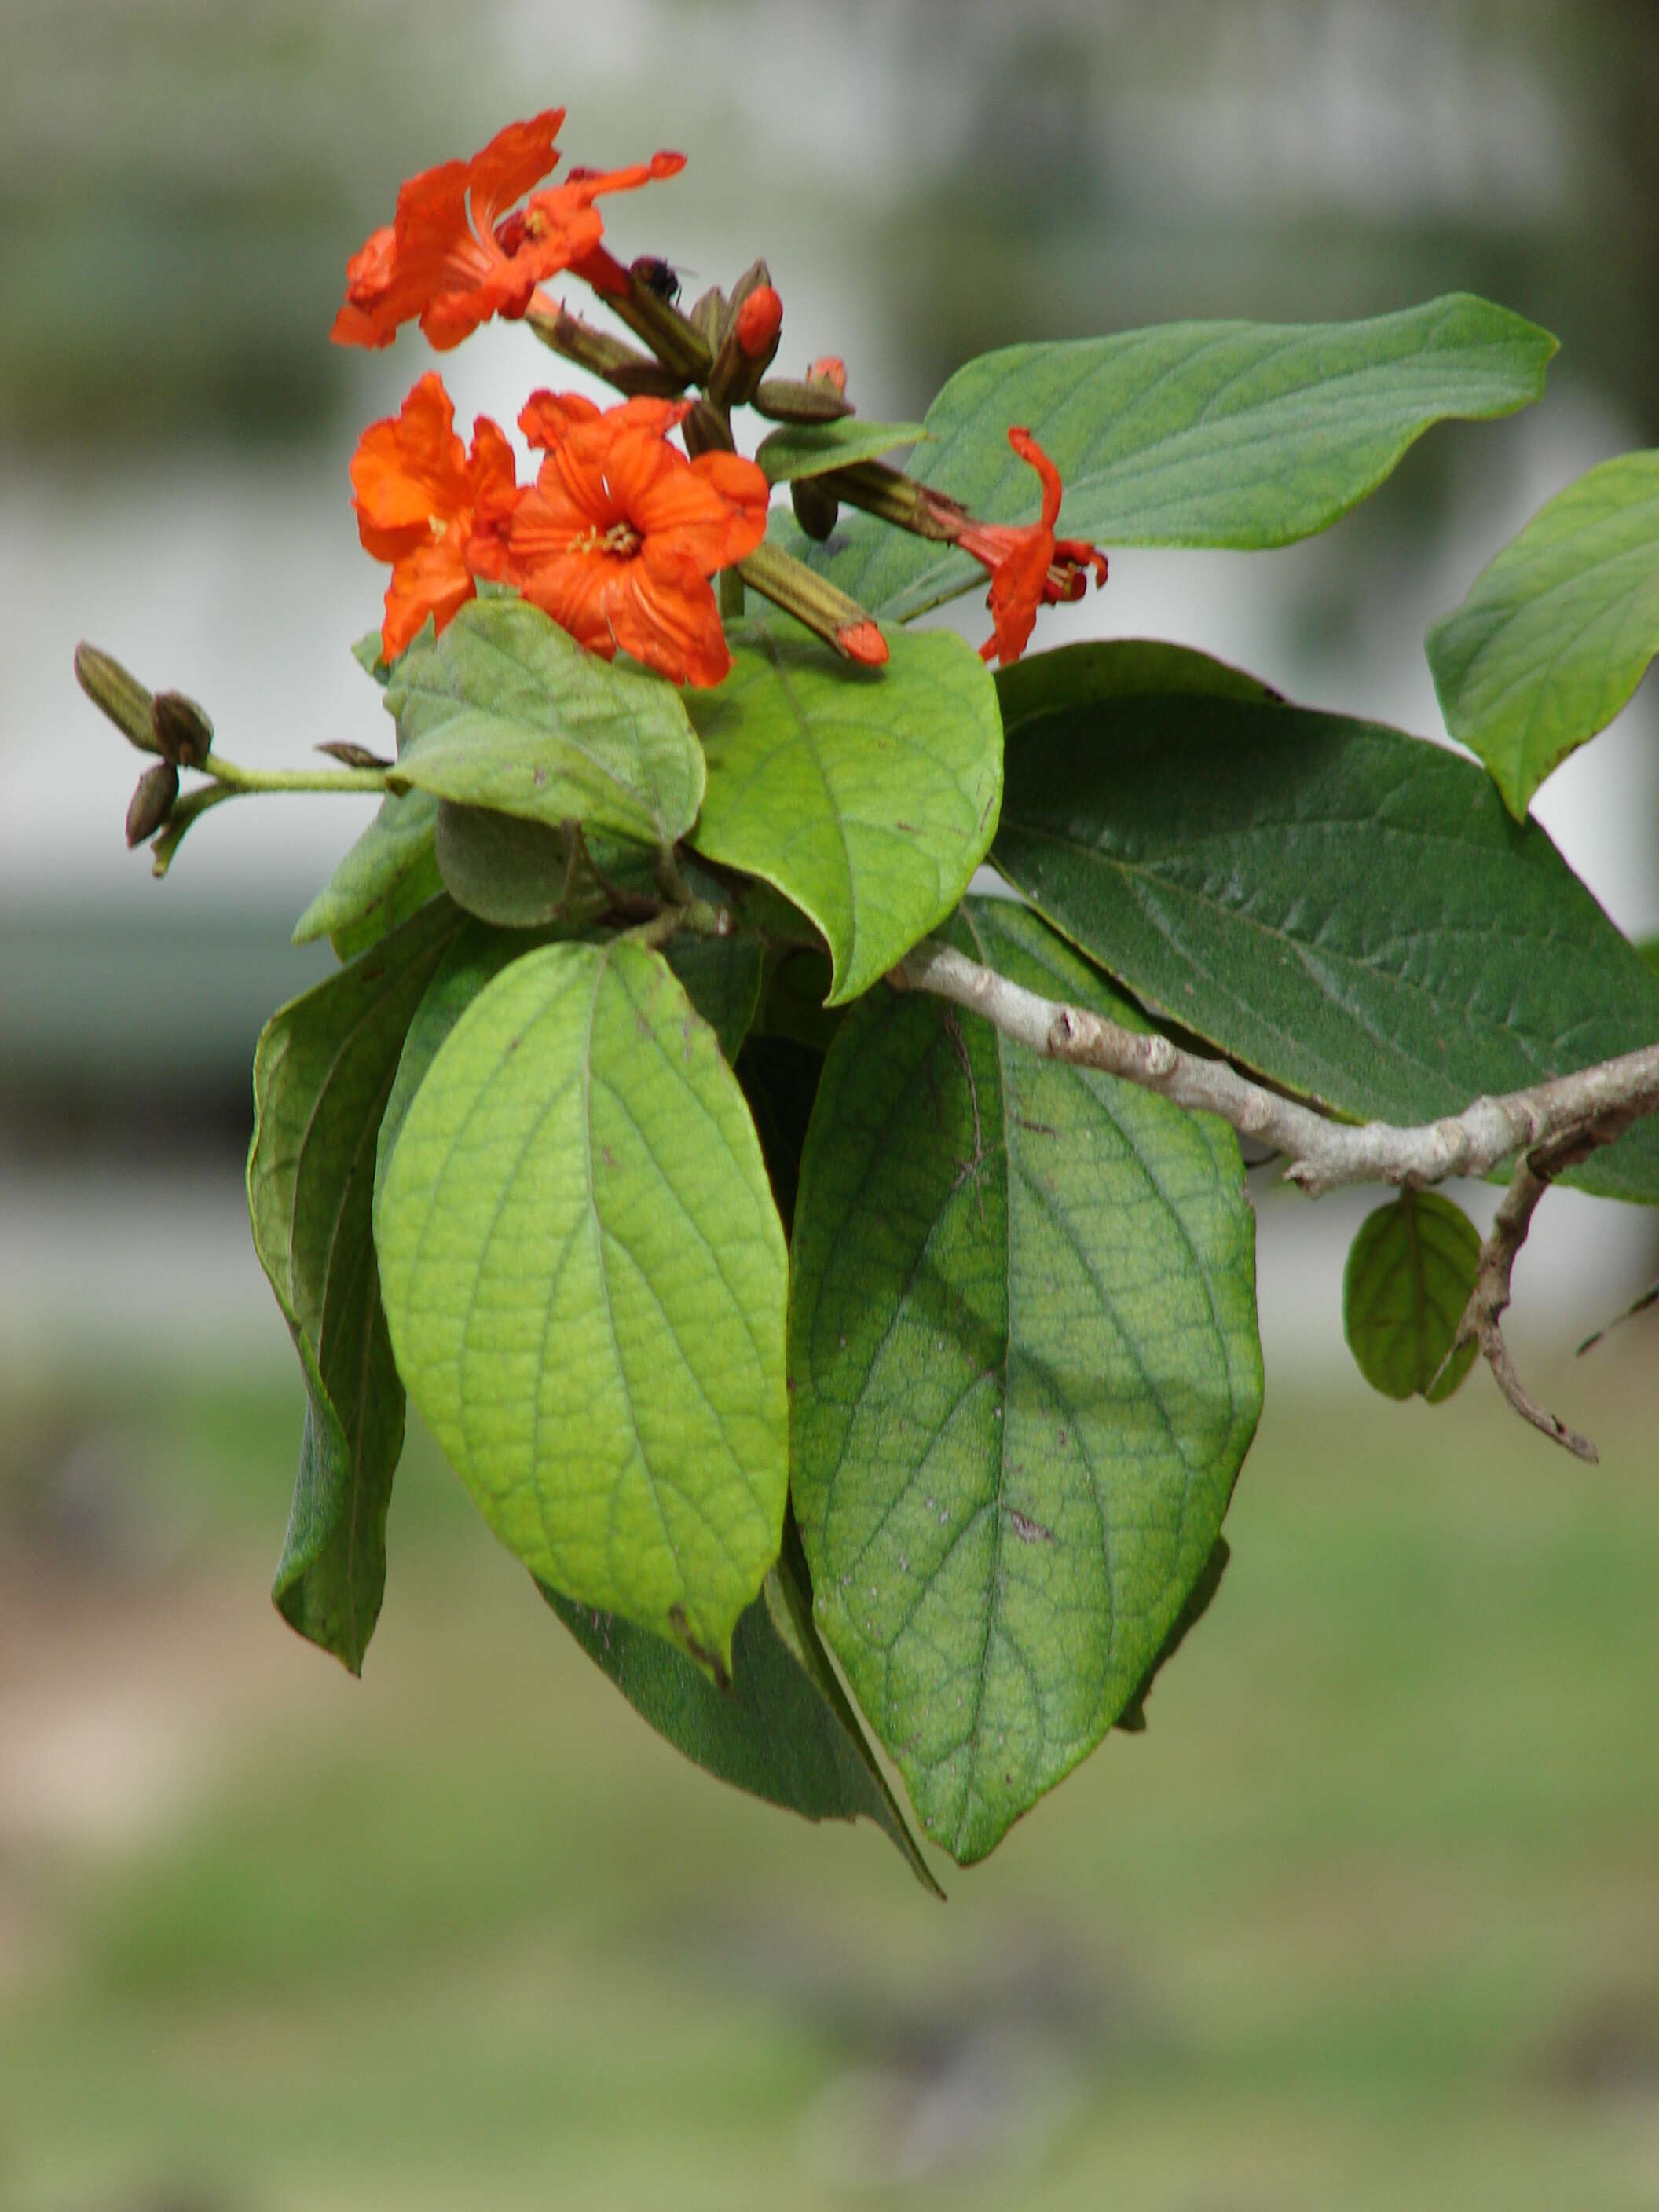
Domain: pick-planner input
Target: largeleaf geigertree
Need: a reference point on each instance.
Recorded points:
(835, 1284)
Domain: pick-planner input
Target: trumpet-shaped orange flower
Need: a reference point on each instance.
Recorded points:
(1028, 566)
(438, 513)
(621, 534)
(460, 249)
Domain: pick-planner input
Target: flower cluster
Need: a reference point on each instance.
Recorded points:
(621, 534)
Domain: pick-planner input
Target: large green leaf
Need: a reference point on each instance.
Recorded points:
(811, 449)
(1024, 1369)
(389, 872)
(1407, 1281)
(1241, 434)
(321, 1077)
(585, 1277)
(1348, 910)
(1558, 632)
(868, 797)
(506, 710)
(1114, 668)
(784, 1731)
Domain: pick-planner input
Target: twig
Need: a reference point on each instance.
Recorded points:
(1321, 1154)
(1553, 1124)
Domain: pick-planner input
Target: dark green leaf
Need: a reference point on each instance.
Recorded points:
(1114, 668)
(867, 797)
(1192, 433)
(585, 1278)
(1409, 1275)
(1558, 631)
(809, 449)
(321, 1076)
(506, 710)
(784, 1731)
(1024, 1370)
(388, 873)
(1347, 910)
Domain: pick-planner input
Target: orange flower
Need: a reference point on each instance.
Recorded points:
(454, 255)
(621, 534)
(437, 513)
(1028, 566)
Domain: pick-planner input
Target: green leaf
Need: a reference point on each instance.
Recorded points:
(1243, 434)
(1024, 1370)
(809, 449)
(321, 1076)
(506, 710)
(370, 656)
(522, 875)
(585, 1277)
(1407, 1281)
(868, 797)
(387, 874)
(1114, 668)
(1558, 631)
(1347, 910)
(784, 1731)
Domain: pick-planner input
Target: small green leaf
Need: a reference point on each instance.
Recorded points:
(1558, 632)
(370, 656)
(321, 1077)
(1409, 1275)
(1242, 435)
(386, 875)
(1024, 1370)
(522, 875)
(1114, 668)
(867, 797)
(784, 1731)
(809, 449)
(1347, 910)
(506, 710)
(584, 1275)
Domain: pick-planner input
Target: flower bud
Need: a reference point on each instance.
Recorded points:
(781, 400)
(816, 506)
(758, 322)
(182, 732)
(709, 316)
(707, 430)
(746, 350)
(814, 600)
(152, 802)
(830, 371)
(117, 694)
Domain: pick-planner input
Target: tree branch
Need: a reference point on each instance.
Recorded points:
(1321, 1154)
(1554, 1125)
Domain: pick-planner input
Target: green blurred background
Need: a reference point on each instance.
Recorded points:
(1371, 1915)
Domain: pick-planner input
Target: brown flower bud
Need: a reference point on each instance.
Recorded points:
(781, 400)
(182, 732)
(816, 506)
(117, 693)
(152, 802)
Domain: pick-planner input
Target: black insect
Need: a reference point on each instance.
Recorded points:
(661, 278)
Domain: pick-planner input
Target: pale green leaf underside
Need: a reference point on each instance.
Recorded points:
(1410, 1272)
(1243, 434)
(867, 797)
(1024, 1370)
(1558, 632)
(506, 710)
(810, 449)
(322, 1074)
(388, 873)
(585, 1278)
(1345, 909)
